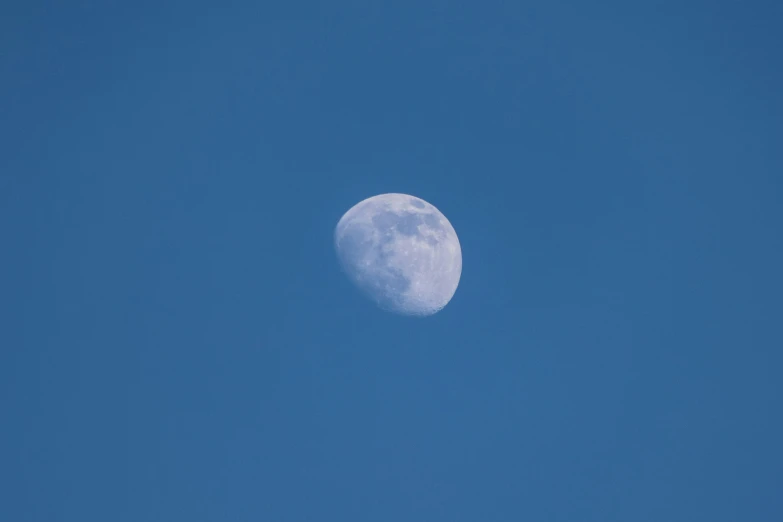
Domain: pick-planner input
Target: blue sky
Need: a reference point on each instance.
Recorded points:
(178, 343)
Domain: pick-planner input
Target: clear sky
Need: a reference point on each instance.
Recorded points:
(177, 341)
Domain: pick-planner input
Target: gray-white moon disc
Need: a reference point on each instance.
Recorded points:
(401, 252)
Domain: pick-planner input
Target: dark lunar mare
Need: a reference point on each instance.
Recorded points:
(406, 223)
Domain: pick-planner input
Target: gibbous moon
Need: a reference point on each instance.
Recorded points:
(401, 252)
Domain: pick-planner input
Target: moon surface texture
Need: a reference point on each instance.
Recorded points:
(401, 252)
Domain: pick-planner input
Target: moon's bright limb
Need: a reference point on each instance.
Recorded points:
(401, 252)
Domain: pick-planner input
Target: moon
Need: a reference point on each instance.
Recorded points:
(401, 252)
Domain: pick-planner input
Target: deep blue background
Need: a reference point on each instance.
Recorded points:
(178, 343)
